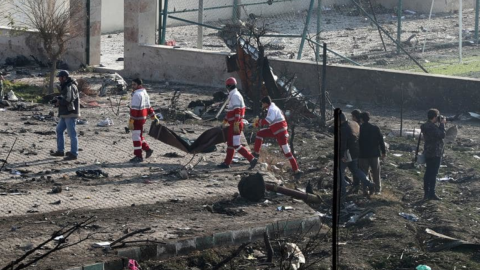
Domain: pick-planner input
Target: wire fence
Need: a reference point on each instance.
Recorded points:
(394, 35)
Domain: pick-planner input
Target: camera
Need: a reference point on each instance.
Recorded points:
(55, 100)
(440, 117)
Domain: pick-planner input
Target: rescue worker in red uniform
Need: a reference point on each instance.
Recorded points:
(277, 128)
(140, 109)
(234, 117)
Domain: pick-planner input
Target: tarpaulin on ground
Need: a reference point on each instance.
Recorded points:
(206, 140)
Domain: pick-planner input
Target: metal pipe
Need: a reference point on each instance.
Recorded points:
(200, 28)
(429, 18)
(389, 36)
(280, 35)
(337, 54)
(160, 4)
(375, 18)
(319, 20)
(307, 197)
(399, 26)
(87, 46)
(337, 187)
(305, 30)
(477, 15)
(196, 23)
(164, 23)
(234, 11)
(460, 28)
(323, 104)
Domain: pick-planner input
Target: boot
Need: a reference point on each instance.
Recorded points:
(253, 163)
(223, 165)
(435, 197)
(57, 154)
(149, 153)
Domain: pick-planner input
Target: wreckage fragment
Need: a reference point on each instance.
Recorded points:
(248, 62)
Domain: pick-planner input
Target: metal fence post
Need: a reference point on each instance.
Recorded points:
(160, 4)
(200, 28)
(319, 21)
(305, 30)
(460, 28)
(477, 15)
(164, 23)
(399, 26)
(234, 11)
(323, 104)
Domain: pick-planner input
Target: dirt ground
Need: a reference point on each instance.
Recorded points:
(403, 243)
(133, 196)
(349, 34)
(386, 240)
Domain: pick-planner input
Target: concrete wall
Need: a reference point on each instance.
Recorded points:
(384, 87)
(13, 43)
(112, 15)
(424, 5)
(345, 83)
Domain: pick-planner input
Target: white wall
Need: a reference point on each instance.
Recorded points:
(112, 16)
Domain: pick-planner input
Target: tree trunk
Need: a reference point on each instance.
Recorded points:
(53, 68)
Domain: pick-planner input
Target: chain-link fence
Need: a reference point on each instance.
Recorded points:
(358, 32)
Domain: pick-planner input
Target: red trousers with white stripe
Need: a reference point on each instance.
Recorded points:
(233, 144)
(282, 139)
(139, 142)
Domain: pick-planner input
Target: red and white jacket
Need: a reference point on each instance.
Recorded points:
(275, 120)
(140, 106)
(235, 107)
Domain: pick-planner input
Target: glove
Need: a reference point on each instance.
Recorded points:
(236, 128)
(256, 122)
(130, 124)
(224, 123)
(155, 119)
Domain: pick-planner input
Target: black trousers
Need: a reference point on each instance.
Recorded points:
(430, 177)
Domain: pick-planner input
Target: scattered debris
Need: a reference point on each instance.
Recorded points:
(411, 217)
(92, 174)
(294, 255)
(105, 123)
(450, 242)
(56, 189)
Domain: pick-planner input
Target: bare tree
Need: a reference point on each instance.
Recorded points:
(57, 23)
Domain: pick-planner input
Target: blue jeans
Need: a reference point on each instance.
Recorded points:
(69, 125)
(430, 177)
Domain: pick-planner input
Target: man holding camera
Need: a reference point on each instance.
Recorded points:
(433, 133)
(68, 112)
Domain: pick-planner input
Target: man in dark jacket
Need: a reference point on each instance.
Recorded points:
(68, 112)
(371, 143)
(433, 150)
(356, 182)
(349, 152)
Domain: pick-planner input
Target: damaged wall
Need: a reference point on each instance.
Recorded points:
(27, 43)
(384, 87)
(353, 84)
(345, 83)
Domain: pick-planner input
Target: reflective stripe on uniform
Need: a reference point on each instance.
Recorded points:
(286, 149)
(136, 135)
(280, 130)
(236, 139)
